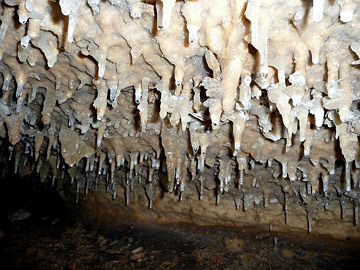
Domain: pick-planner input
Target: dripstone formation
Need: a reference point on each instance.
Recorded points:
(246, 111)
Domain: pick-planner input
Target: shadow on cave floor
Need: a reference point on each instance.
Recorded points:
(53, 238)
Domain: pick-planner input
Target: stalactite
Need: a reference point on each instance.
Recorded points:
(70, 8)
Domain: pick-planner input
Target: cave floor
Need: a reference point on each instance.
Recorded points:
(54, 237)
(55, 243)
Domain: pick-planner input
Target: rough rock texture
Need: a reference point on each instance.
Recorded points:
(225, 105)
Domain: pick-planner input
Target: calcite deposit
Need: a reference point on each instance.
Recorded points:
(243, 110)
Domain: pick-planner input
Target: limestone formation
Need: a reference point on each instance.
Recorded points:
(252, 101)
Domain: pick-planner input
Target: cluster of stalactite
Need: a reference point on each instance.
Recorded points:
(128, 90)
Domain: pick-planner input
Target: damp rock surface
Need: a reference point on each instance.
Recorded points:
(244, 111)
